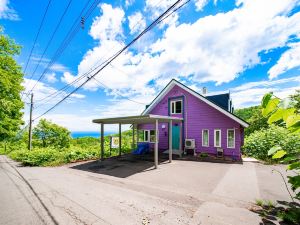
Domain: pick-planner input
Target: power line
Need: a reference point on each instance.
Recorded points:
(37, 35)
(151, 26)
(102, 84)
(68, 38)
(52, 36)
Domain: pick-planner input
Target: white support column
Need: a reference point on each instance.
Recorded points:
(102, 142)
(170, 141)
(156, 145)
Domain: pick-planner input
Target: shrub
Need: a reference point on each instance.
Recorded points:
(260, 142)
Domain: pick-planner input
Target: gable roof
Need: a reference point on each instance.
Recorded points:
(174, 82)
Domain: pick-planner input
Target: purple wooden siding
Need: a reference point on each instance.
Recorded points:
(197, 116)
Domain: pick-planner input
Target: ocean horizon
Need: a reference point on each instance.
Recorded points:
(94, 134)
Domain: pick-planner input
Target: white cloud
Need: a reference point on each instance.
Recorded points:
(200, 4)
(136, 22)
(6, 12)
(51, 77)
(129, 2)
(251, 93)
(288, 60)
(109, 25)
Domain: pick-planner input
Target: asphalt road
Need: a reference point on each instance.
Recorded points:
(122, 192)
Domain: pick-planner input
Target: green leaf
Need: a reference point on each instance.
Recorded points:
(293, 121)
(287, 112)
(273, 150)
(279, 154)
(271, 106)
(267, 97)
(292, 166)
(275, 116)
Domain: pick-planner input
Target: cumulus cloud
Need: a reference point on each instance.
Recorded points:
(200, 4)
(251, 93)
(136, 22)
(51, 77)
(6, 12)
(288, 60)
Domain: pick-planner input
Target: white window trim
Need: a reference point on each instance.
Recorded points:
(174, 102)
(207, 138)
(216, 136)
(148, 135)
(233, 138)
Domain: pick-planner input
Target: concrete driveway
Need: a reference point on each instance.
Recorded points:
(132, 192)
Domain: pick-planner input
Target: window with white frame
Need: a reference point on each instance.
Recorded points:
(205, 138)
(217, 138)
(176, 107)
(149, 135)
(230, 138)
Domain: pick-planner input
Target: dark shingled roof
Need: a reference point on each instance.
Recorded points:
(221, 100)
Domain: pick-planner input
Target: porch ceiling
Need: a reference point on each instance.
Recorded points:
(149, 118)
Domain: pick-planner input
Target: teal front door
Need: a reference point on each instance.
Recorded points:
(175, 137)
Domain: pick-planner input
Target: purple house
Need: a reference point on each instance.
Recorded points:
(181, 120)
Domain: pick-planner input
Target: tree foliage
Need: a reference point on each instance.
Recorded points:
(253, 115)
(50, 134)
(11, 78)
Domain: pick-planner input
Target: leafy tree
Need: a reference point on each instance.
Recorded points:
(284, 111)
(296, 98)
(51, 134)
(11, 78)
(253, 116)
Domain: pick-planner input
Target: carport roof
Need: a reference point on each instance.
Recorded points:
(149, 118)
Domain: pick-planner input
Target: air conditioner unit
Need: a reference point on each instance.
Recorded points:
(189, 144)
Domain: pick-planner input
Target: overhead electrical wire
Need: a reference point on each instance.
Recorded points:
(80, 77)
(151, 26)
(68, 38)
(52, 36)
(37, 35)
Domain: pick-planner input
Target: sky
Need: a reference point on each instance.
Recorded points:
(247, 47)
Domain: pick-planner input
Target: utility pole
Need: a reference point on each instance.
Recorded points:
(30, 124)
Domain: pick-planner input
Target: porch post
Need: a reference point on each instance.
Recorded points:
(133, 136)
(170, 141)
(156, 145)
(102, 141)
(120, 139)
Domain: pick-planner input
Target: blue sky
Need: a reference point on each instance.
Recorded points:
(249, 47)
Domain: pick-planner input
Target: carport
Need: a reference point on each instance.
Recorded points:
(135, 120)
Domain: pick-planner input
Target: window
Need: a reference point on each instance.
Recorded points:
(149, 135)
(146, 135)
(217, 138)
(230, 138)
(205, 138)
(176, 107)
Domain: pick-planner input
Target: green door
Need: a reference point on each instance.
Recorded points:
(175, 137)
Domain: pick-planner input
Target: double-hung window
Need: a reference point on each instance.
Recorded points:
(217, 138)
(205, 138)
(230, 138)
(176, 107)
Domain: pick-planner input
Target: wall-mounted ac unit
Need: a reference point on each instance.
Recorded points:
(189, 144)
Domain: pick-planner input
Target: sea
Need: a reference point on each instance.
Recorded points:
(95, 134)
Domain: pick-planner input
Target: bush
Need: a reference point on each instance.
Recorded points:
(260, 142)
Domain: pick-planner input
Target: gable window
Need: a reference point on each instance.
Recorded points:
(217, 138)
(230, 138)
(205, 138)
(176, 107)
